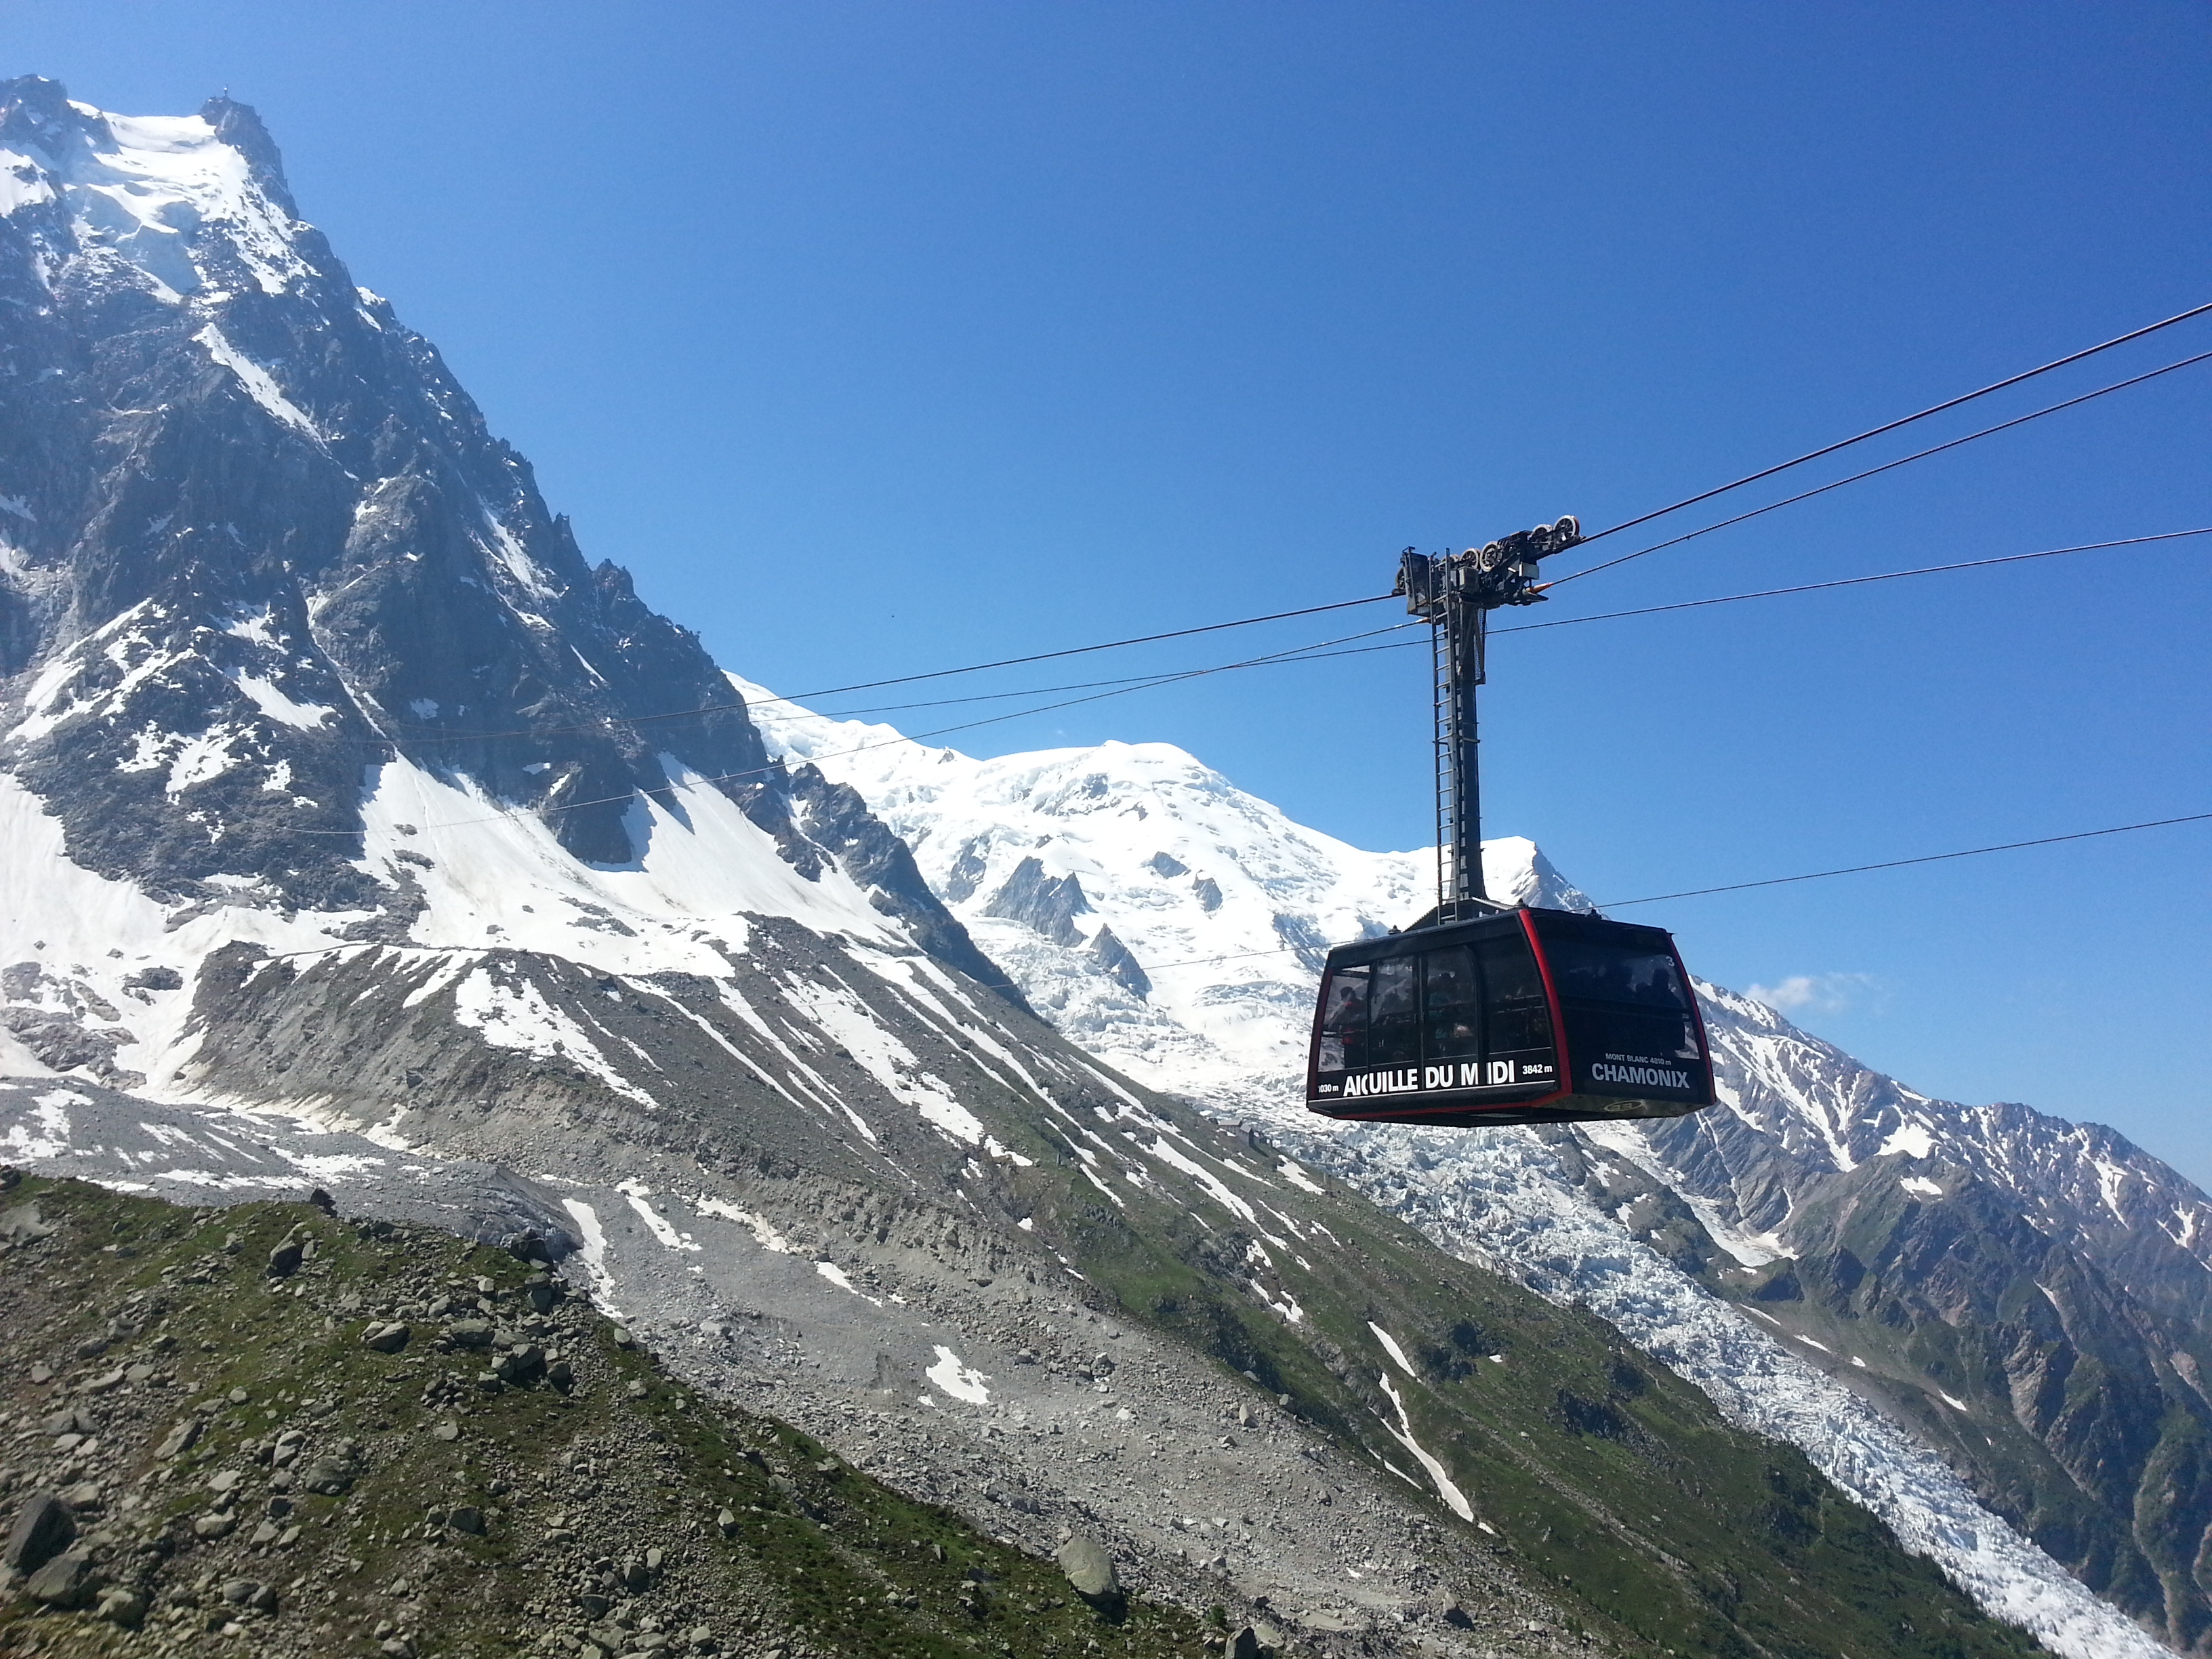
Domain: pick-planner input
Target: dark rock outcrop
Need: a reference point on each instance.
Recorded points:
(263, 547)
(1049, 904)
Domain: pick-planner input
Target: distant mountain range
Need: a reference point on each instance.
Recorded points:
(361, 834)
(2024, 1294)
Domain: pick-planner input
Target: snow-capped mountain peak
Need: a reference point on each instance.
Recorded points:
(188, 202)
(1172, 922)
(294, 655)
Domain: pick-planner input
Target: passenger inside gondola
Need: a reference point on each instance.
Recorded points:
(1344, 1021)
(1610, 974)
(1520, 1019)
(1394, 1033)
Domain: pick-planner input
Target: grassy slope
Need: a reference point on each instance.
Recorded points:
(1611, 1480)
(823, 1560)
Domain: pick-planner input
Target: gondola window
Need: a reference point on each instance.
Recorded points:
(1451, 1005)
(1394, 1025)
(1520, 1018)
(1601, 972)
(1344, 1021)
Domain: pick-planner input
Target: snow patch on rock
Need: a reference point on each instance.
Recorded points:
(958, 1380)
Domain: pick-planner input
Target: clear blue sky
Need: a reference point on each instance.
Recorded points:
(878, 337)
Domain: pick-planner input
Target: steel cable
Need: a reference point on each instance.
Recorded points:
(1887, 466)
(1906, 419)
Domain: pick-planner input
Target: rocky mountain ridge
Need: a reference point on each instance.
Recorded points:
(295, 615)
(2027, 1294)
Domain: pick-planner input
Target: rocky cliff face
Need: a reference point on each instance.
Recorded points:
(287, 630)
(262, 547)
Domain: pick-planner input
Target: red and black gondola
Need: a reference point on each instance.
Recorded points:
(1519, 1016)
(1484, 1013)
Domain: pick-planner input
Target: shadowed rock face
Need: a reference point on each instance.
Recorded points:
(259, 541)
(1048, 904)
(834, 818)
(41, 1530)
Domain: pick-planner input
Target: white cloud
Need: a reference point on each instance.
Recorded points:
(1812, 993)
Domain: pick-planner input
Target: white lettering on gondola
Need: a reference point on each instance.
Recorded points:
(1418, 1080)
(1404, 1081)
(1649, 1076)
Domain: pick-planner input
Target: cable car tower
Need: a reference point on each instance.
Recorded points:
(1455, 594)
(1483, 1013)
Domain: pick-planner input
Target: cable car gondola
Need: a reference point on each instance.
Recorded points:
(1523, 1016)
(1484, 1013)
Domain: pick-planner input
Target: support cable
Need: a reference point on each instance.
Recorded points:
(432, 734)
(1907, 419)
(1772, 881)
(1854, 581)
(1899, 864)
(1613, 904)
(1081, 650)
(424, 734)
(1920, 455)
(1320, 651)
(1315, 653)
(914, 736)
